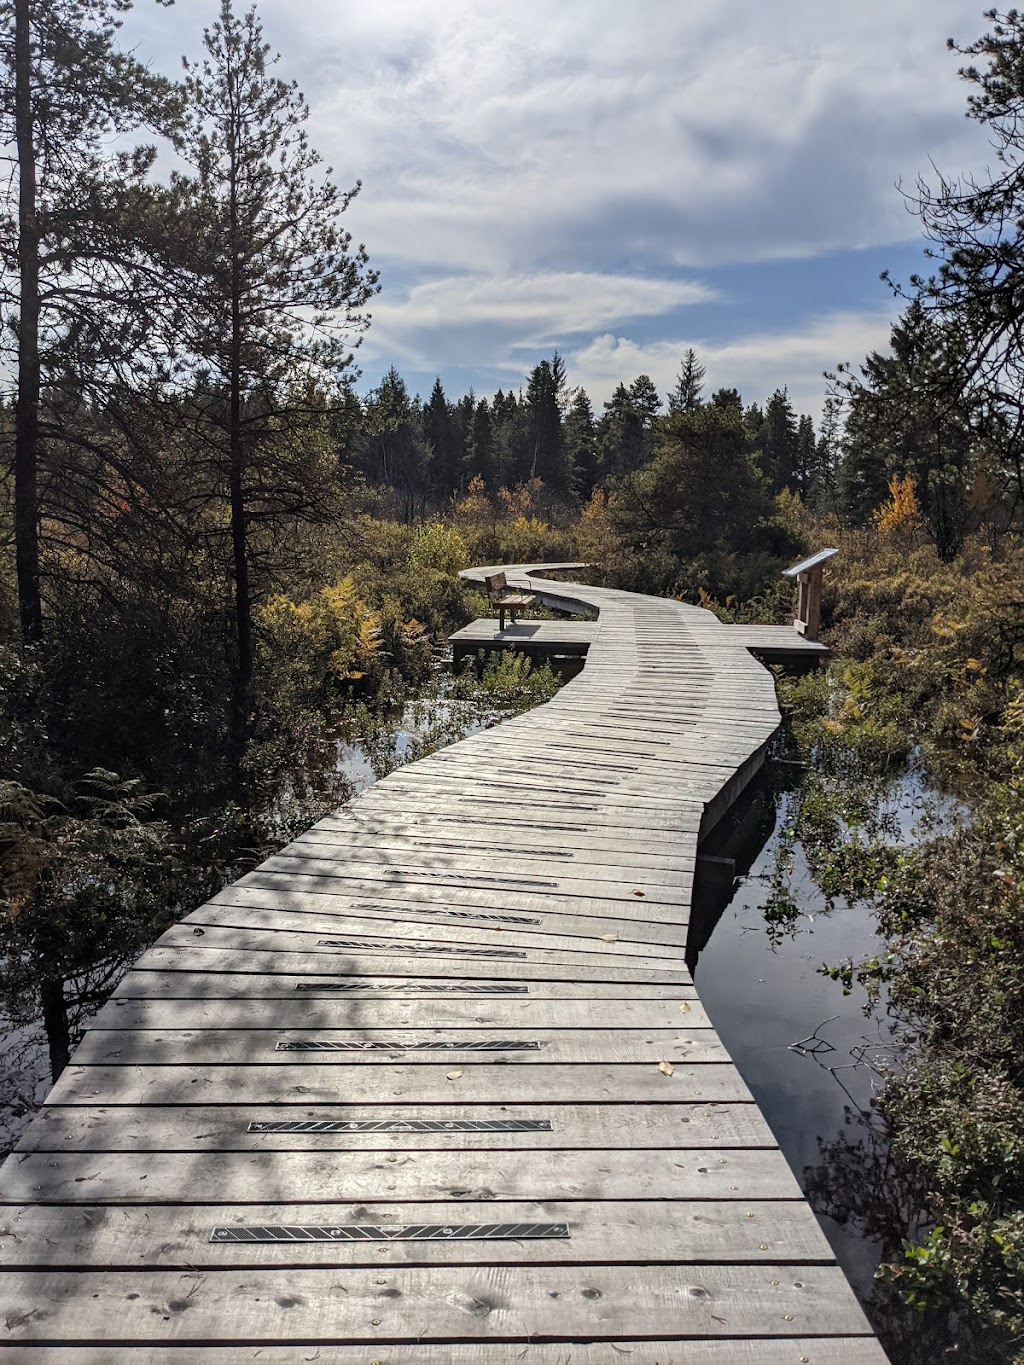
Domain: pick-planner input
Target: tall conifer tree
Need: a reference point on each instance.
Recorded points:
(71, 232)
(276, 291)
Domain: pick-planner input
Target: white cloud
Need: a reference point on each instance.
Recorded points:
(756, 364)
(525, 310)
(539, 170)
(493, 135)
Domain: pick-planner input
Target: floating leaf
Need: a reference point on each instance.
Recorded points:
(454, 1075)
(666, 1068)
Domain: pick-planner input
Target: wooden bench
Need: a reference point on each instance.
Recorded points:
(506, 599)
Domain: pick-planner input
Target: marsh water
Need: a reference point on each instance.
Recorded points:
(814, 1058)
(808, 1053)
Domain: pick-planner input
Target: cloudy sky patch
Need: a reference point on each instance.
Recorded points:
(620, 182)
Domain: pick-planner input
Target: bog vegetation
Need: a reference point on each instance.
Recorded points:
(221, 560)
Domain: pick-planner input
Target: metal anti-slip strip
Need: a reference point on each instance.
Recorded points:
(436, 1045)
(400, 1232)
(419, 910)
(421, 988)
(402, 1126)
(388, 944)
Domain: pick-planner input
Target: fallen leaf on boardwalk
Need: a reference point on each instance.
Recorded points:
(638, 893)
(454, 1075)
(609, 938)
(684, 1008)
(199, 931)
(666, 1068)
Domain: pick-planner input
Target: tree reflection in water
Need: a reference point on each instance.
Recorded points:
(869, 1203)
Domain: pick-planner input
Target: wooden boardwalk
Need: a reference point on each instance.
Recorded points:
(433, 1084)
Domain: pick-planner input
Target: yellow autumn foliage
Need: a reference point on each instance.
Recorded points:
(901, 512)
(312, 646)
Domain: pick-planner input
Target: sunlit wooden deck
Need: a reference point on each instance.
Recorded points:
(433, 1083)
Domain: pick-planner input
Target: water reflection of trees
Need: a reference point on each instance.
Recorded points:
(862, 1186)
(858, 1182)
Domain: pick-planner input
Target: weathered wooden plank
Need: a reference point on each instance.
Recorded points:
(648, 1231)
(440, 1304)
(395, 909)
(394, 1083)
(384, 1013)
(319, 921)
(436, 1176)
(225, 1128)
(484, 896)
(369, 1045)
(484, 844)
(493, 850)
(675, 818)
(186, 982)
(364, 962)
(573, 831)
(663, 889)
(817, 1350)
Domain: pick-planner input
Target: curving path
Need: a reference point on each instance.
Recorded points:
(433, 1084)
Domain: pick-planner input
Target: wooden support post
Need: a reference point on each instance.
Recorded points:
(809, 574)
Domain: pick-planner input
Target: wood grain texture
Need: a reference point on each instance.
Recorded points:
(517, 1012)
(667, 1351)
(225, 1127)
(316, 1177)
(394, 1083)
(653, 1231)
(437, 1303)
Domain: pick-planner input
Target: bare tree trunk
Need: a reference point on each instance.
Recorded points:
(240, 561)
(236, 444)
(26, 412)
(55, 1022)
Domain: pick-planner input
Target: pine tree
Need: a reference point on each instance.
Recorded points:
(480, 455)
(974, 228)
(621, 438)
(906, 419)
(827, 456)
(700, 499)
(545, 437)
(777, 440)
(272, 296)
(393, 450)
(689, 385)
(439, 427)
(581, 445)
(805, 464)
(644, 397)
(513, 453)
(72, 234)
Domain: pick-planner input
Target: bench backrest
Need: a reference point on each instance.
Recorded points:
(495, 582)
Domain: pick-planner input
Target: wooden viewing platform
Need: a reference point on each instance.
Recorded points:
(433, 1084)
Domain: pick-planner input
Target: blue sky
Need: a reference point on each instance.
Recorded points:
(622, 182)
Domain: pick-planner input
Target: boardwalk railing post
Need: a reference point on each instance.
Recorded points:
(808, 574)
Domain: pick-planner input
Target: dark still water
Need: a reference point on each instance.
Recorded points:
(784, 1024)
(808, 1053)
